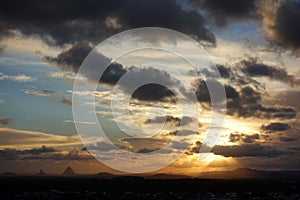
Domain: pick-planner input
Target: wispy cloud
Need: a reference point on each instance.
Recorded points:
(43, 93)
(14, 138)
(22, 78)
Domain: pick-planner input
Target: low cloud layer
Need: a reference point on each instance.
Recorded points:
(14, 138)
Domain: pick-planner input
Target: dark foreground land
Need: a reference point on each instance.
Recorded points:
(47, 187)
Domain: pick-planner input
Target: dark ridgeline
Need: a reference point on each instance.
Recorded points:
(241, 183)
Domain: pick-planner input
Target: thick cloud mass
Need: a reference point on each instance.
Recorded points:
(65, 22)
(246, 150)
(249, 105)
(281, 20)
(152, 92)
(253, 68)
(221, 10)
(276, 126)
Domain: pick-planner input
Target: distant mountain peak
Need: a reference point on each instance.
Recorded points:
(68, 172)
(41, 173)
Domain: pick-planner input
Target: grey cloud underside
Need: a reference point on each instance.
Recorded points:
(224, 11)
(242, 150)
(247, 102)
(287, 139)
(244, 71)
(55, 22)
(253, 68)
(170, 119)
(72, 58)
(46, 153)
(244, 138)
(276, 126)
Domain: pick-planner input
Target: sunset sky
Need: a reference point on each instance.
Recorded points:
(255, 45)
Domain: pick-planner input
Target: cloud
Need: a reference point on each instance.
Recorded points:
(249, 104)
(5, 121)
(22, 78)
(170, 119)
(43, 153)
(253, 68)
(280, 21)
(43, 93)
(100, 146)
(247, 150)
(157, 88)
(71, 57)
(14, 138)
(244, 138)
(287, 139)
(66, 101)
(97, 21)
(144, 145)
(223, 11)
(276, 126)
(203, 94)
(153, 92)
(70, 60)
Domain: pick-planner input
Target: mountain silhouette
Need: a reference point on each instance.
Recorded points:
(41, 173)
(69, 172)
(105, 175)
(8, 174)
(248, 173)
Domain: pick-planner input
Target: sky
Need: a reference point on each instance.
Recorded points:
(254, 45)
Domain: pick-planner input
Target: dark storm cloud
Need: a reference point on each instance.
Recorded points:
(5, 121)
(72, 57)
(158, 87)
(247, 150)
(153, 92)
(241, 137)
(64, 22)
(252, 67)
(282, 26)
(222, 11)
(276, 126)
